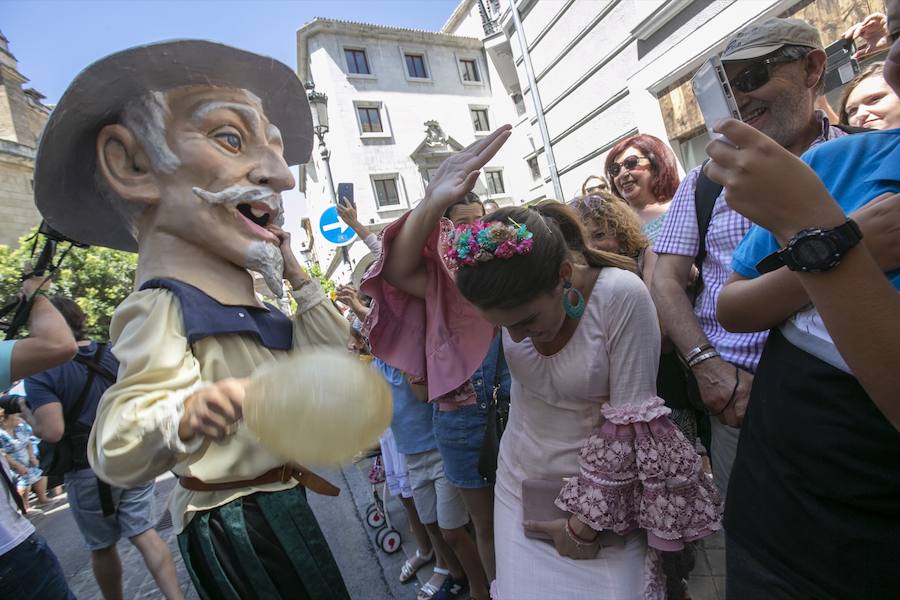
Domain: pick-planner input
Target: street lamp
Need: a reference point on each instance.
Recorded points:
(318, 102)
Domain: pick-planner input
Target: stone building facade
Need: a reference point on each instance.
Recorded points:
(22, 118)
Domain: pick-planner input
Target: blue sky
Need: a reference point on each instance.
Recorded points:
(53, 41)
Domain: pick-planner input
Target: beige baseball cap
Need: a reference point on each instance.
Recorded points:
(767, 37)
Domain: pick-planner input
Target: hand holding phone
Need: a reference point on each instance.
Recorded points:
(713, 93)
(345, 194)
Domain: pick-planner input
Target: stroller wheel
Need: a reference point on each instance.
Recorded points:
(374, 518)
(388, 539)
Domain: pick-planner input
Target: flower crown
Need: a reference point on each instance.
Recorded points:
(479, 242)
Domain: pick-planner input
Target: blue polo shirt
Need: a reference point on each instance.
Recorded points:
(855, 169)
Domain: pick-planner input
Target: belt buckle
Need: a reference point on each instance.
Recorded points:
(286, 473)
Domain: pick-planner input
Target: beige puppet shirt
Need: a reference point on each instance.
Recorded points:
(135, 435)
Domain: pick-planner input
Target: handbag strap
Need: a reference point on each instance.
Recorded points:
(501, 360)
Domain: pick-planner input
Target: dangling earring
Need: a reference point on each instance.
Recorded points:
(573, 310)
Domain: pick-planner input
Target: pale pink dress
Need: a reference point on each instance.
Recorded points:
(606, 372)
(590, 412)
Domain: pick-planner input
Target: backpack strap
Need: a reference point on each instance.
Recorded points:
(705, 195)
(94, 368)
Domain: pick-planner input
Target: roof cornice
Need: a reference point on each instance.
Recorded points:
(353, 28)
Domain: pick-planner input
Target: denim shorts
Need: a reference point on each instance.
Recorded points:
(460, 434)
(133, 516)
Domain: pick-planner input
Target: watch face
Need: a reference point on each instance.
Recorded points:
(813, 253)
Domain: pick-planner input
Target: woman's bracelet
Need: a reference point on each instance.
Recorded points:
(703, 356)
(579, 541)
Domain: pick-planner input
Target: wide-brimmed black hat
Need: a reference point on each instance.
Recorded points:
(65, 185)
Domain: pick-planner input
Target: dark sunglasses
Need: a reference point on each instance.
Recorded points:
(629, 164)
(758, 74)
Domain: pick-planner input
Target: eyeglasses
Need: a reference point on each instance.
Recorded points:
(758, 74)
(629, 164)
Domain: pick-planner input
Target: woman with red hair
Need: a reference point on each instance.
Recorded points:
(643, 172)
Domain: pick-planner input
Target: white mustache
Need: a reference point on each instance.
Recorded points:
(245, 194)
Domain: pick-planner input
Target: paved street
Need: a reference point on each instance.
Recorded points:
(370, 573)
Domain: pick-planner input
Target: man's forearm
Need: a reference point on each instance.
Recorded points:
(50, 343)
(749, 305)
(676, 315)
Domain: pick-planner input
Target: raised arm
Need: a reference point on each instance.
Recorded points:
(50, 342)
(456, 177)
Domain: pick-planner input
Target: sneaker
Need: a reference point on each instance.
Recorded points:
(452, 589)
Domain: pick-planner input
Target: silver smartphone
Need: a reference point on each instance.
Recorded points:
(713, 93)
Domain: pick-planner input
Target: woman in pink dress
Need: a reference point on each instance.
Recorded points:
(582, 341)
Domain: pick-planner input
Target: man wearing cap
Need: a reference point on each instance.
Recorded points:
(776, 72)
(180, 150)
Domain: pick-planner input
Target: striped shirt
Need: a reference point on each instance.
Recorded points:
(679, 236)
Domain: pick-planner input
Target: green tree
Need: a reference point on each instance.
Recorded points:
(315, 271)
(97, 278)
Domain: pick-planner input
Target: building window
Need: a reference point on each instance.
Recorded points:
(535, 169)
(386, 194)
(469, 70)
(480, 119)
(357, 63)
(369, 119)
(495, 182)
(415, 66)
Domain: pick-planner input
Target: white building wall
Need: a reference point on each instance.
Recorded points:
(600, 65)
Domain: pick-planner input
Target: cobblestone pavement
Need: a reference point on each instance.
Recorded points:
(370, 573)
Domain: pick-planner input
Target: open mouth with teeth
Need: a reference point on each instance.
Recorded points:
(753, 115)
(258, 217)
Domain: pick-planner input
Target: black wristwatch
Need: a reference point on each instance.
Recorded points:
(814, 250)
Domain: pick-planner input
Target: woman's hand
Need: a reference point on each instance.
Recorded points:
(457, 175)
(565, 541)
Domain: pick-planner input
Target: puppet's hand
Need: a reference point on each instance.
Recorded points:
(213, 411)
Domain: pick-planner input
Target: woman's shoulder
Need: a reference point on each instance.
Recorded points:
(614, 279)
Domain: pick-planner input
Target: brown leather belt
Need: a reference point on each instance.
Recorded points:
(281, 474)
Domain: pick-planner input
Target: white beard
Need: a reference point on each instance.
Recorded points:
(266, 259)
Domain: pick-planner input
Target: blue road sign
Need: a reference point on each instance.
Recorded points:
(334, 230)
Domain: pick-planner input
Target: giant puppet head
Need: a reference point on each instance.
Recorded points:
(179, 150)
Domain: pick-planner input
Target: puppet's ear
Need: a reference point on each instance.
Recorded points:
(124, 165)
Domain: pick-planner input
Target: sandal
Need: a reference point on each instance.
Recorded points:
(409, 569)
(427, 591)
(452, 589)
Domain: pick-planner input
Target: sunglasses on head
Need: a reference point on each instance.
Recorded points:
(758, 74)
(590, 202)
(629, 164)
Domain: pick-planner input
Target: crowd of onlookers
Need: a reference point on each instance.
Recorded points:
(760, 370)
(582, 389)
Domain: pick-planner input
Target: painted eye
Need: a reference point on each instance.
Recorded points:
(232, 140)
